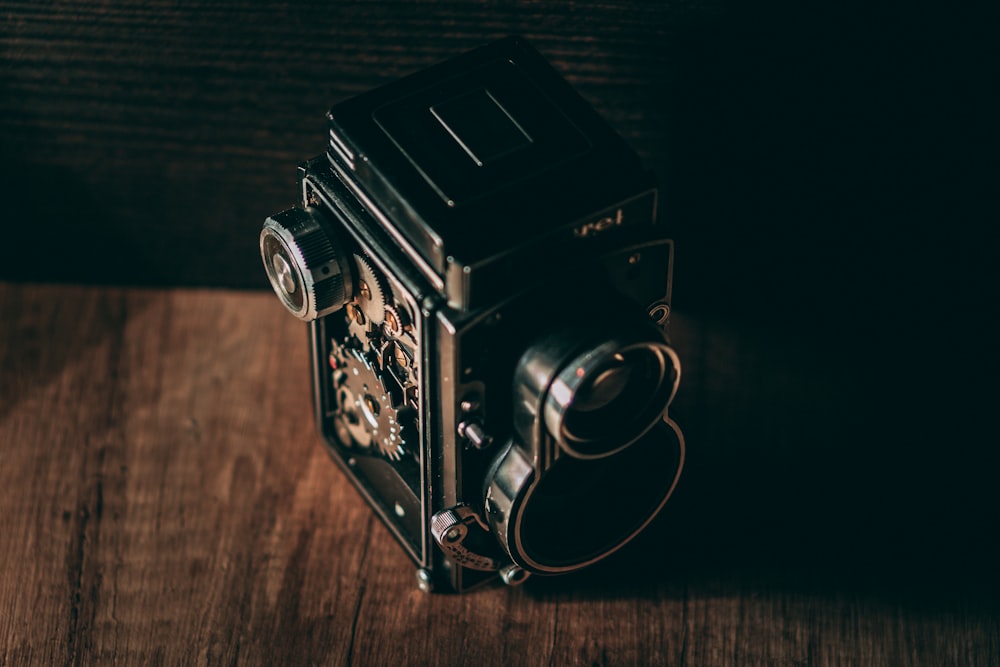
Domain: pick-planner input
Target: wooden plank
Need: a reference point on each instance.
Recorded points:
(164, 500)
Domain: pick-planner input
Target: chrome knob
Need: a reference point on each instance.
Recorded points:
(307, 269)
(474, 433)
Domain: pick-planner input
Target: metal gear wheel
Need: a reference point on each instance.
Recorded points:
(366, 407)
(370, 292)
(395, 320)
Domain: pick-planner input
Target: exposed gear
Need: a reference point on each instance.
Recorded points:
(367, 410)
(397, 362)
(395, 320)
(370, 292)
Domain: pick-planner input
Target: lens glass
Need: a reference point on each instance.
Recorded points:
(616, 401)
(583, 509)
(602, 387)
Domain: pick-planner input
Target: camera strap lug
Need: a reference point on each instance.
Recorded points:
(466, 539)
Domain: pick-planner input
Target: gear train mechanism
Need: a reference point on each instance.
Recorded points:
(374, 368)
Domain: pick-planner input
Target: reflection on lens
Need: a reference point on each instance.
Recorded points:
(603, 387)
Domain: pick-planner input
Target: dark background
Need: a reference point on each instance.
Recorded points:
(823, 174)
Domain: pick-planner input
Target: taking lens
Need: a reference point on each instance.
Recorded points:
(582, 510)
(577, 511)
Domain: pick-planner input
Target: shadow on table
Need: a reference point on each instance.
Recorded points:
(810, 471)
(46, 331)
(835, 357)
(56, 234)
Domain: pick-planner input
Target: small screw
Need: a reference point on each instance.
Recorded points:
(634, 259)
(400, 357)
(453, 534)
(469, 405)
(424, 581)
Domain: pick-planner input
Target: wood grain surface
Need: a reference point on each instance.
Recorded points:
(164, 500)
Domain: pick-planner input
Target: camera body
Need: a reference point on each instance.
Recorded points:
(487, 287)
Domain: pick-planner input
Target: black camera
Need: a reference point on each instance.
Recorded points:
(488, 289)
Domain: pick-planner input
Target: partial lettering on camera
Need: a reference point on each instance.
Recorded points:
(487, 286)
(600, 225)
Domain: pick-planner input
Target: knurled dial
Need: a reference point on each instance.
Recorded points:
(308, 270)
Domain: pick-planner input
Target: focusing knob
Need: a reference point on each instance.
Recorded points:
(308, 270)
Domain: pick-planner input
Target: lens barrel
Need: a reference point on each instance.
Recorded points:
(594, 457)
(596, 392)
(606, 398)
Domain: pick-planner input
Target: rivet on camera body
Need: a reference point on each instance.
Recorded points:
(487, 287)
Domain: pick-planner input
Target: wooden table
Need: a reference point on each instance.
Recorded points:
(164, 500)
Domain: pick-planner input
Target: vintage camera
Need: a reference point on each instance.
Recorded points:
(487, 289)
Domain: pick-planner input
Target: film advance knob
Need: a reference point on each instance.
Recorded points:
(309, 272)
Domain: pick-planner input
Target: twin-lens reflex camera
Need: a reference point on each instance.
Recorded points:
(487, 289)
